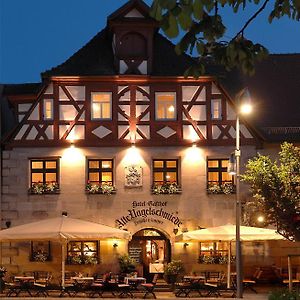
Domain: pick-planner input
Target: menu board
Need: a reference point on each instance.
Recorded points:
(135, 253)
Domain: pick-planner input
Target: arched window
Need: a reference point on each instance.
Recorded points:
(133, 45)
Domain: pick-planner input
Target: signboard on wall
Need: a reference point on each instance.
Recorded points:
(149, 212)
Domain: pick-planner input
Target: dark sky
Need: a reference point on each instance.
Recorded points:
(36, 35)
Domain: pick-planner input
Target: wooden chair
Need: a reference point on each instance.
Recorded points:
(249, 283)
(41, 283)
(149, 287)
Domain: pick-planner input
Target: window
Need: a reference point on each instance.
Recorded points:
(213, 253)
(219, 181)
(100, 171)
(83, 252)
(48, 109)
(165, 170)
(44, 176)
(101, 106)
(40, 251)
(216, 109)
(165, 106)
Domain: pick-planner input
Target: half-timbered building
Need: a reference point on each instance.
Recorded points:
(117, 135)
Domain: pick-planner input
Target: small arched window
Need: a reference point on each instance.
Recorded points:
(133, 45)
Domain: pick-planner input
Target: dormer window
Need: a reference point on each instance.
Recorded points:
(133, 45)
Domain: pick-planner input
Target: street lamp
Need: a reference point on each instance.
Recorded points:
(244, 107)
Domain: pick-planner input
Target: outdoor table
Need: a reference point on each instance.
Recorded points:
(137, 280)
(193, 278)
(134, 281)
(81, 284)
(24, 286)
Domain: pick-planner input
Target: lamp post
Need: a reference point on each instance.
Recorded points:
(244, 107)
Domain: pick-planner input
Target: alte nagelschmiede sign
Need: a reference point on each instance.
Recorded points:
(149, 211)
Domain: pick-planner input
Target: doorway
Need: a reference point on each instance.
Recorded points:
(151, 249)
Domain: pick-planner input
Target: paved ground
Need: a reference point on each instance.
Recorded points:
(159, 295)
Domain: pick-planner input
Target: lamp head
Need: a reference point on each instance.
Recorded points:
(231, 168)
(245, 102)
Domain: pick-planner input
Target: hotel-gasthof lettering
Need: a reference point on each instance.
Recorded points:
(117, 135)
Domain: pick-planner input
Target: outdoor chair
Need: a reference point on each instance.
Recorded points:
(149, 287)
(41, 283)
(69, 287)
(249, 283)
(96, 288)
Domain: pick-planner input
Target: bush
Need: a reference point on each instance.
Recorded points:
(174, 267)
(127, 264)
(284, 294)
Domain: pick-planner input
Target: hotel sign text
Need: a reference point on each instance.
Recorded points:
(149, 211)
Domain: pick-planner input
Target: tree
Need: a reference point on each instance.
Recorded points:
(276, 189)
(204, 30)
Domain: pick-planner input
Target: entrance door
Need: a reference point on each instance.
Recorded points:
(151, 249)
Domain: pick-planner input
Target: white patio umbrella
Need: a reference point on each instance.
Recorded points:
(227, 233)
(62, 229)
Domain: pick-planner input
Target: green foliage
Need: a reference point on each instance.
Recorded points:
(276, 189)
(127, 264)
(284, 294)
(202, 23)
(174, 267)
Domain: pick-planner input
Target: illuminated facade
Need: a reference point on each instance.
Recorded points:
(117, 135)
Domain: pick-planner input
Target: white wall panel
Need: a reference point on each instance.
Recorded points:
(67, 112)
(77, 92)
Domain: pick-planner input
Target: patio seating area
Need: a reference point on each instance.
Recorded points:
(202, 285)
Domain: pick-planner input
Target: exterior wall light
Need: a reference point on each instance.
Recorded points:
(115, 245)
(185, 245)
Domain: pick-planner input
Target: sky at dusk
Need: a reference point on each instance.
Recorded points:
(36, 35)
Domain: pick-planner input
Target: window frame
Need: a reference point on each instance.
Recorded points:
(215, 253)
(164, 170)
(81, 251)
(219, 102)
(44, 169)
(219, 170)
(100, 170)
(44, 110)
(174, 118)
(110, 103)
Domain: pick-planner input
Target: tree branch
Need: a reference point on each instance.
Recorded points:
(250, 20)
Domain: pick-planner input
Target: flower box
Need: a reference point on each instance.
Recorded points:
(82, 260)
(104, 189)
(166, 189)
(225, 188)
(40, 188)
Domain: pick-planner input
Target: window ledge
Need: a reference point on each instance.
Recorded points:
(100, 192)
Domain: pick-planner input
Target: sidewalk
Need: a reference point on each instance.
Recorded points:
(162, 295)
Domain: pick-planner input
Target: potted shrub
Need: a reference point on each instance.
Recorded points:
(172, 270)
(126, 263)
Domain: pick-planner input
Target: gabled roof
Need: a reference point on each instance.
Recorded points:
(139, 5)
(22, 89)
(96, 58)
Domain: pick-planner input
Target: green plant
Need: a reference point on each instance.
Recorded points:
(127, 264)
(39, 256)
(175, 267)
(275, 185)
(284, 294)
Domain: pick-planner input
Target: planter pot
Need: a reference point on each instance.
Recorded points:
(2, 284)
